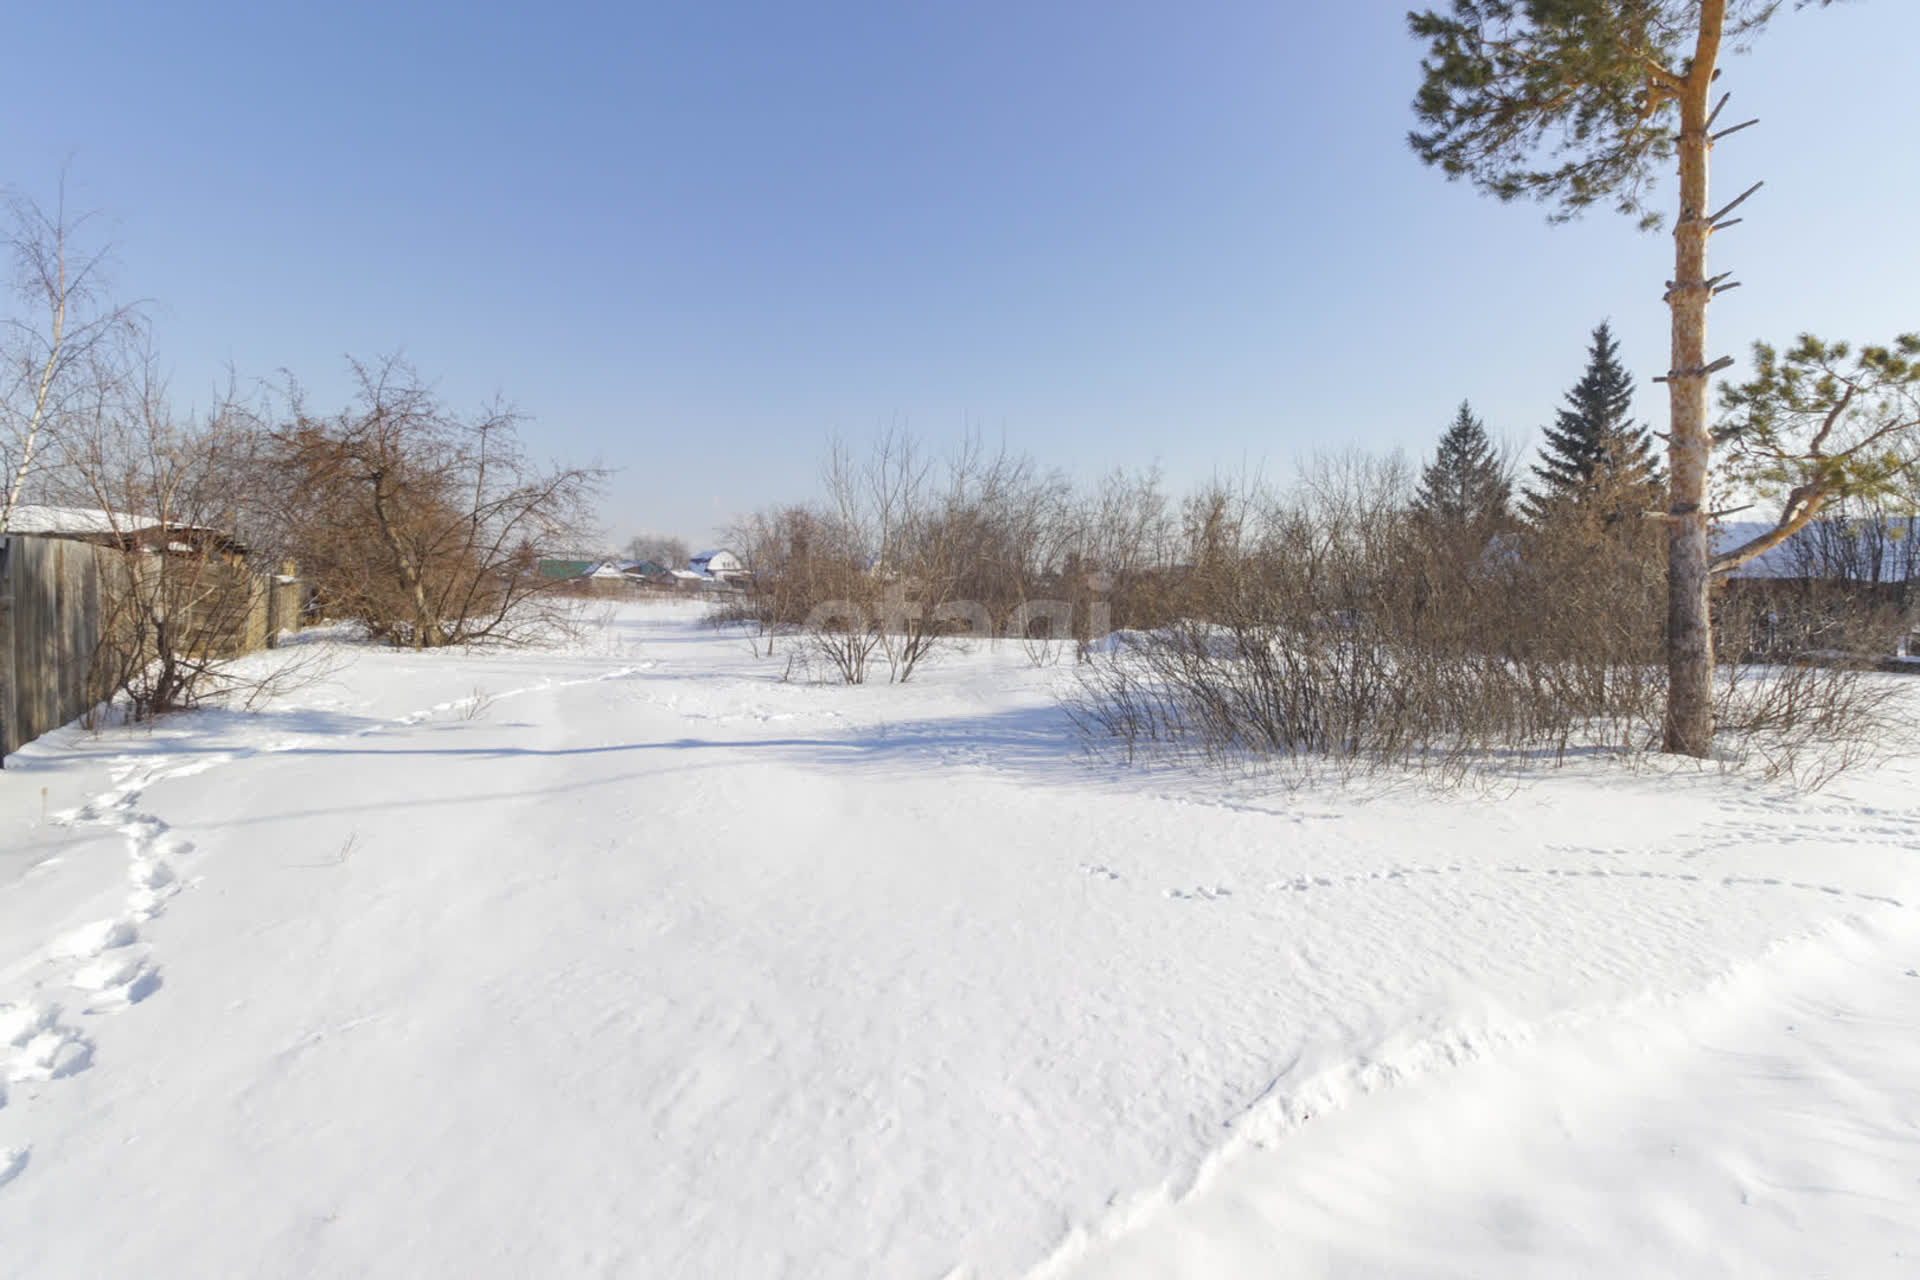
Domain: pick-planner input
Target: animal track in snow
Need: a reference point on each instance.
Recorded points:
(476, 703)
(1305, 881)
(1200, 893)
(1302, 883)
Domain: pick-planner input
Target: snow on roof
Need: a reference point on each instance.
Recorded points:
(688, 575)
(81, 521)
(1808, 551)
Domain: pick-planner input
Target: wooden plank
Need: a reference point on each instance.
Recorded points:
(60, 597)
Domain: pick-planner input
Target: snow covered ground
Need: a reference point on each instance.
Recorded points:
(632, 960)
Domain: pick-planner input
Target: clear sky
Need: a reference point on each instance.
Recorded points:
(696, 238)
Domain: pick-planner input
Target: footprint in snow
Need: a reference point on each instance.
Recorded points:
(52, 1054)
(89, 940)
(117, 979)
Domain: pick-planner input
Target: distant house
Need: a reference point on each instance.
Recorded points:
(718, 564)
(1873, 550)
(1843, 584)
(561, 568)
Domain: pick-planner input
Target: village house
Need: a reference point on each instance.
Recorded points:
(721, 565)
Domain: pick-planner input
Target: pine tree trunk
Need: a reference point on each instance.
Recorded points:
(1689, 723)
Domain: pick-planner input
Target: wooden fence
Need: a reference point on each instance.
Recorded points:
(56, 601)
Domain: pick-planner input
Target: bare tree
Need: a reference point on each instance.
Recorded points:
(191, 562)
(423, 524)
(656, 548)
(907, 553)
(788, 552)
(59, 349)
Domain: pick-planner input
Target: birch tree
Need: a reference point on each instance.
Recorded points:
(1582, 102)
(59, 343)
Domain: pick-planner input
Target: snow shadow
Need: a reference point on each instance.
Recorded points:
(1022, 740)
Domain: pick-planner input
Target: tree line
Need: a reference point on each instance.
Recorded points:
(1367, 610)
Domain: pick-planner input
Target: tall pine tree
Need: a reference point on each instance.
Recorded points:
(1594, 450)
(1584, 102)
(1465, 488)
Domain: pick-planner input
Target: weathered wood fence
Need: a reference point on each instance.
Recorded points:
(56, 603)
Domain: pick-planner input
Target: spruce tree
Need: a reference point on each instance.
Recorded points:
(1594, 447)
(1464, 489)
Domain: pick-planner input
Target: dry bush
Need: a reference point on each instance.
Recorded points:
(1331, 625)
(423, 525)
(1799, 620)
(906, 554)
(1125, 539)
(188, 570)
(1808, 723)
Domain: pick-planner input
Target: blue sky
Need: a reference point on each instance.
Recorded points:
(695, 239)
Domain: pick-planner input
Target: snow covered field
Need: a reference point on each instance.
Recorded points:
(631, 960)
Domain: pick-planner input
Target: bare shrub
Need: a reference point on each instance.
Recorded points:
(907, 553)
(1332, 624)
(789, 553)
(424, 525)
(659, 549)
(190, 560)
(1808, 723)
(1329, 625)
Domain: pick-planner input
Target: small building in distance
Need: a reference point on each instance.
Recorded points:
(559, 567)
(644, 571)
(723, 565)
(1840, 584)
